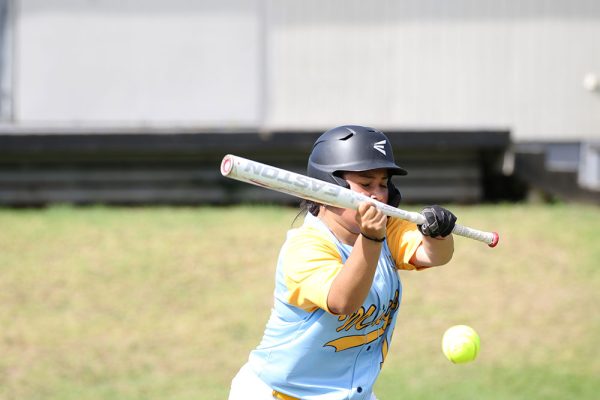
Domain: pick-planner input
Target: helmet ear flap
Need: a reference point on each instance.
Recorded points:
(394, 196)
(339, 180)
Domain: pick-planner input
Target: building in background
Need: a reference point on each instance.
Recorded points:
(136, 101)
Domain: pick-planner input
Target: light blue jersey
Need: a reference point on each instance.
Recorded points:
(307, 352)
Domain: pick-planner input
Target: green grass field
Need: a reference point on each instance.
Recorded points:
(166, 303)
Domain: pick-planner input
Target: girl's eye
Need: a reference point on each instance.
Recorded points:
(368, 185)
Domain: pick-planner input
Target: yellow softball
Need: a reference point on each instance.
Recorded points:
(460, 344)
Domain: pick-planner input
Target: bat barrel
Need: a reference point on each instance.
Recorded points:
(308, 188)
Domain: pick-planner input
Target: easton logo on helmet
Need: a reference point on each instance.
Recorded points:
(379, 147)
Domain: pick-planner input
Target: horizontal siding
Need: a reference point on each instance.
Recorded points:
(202, 184)
(184, 169)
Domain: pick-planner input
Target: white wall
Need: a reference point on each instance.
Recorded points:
(6, 58)
(272, 64)
(426, 63)
(139, 62)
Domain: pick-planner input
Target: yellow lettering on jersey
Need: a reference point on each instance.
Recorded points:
(357, 321)
(384, 351)
(347, 342)
(370, 311)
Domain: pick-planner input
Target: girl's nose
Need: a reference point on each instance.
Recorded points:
(373, 196)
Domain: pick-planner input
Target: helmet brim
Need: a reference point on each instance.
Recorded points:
(392, 168)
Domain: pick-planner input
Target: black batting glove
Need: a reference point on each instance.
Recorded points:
(439, 221)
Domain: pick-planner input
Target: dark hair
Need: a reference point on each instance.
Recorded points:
(307, 206)
(310, 206)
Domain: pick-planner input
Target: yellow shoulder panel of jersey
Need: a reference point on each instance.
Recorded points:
(403, 239)
(310, 264)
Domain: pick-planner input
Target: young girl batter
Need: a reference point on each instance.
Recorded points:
(337, 289)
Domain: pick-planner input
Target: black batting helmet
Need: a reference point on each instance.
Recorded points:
(353, 148)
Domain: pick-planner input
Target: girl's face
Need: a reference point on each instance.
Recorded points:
(371, 183)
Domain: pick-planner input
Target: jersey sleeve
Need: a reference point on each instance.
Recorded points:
(403, 239)
(310, 263)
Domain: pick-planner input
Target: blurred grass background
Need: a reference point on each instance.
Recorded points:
(166, 303)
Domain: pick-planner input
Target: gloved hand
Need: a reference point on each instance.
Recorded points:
(439, 221)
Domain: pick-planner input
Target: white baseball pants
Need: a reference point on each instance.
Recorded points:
(246, 385)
